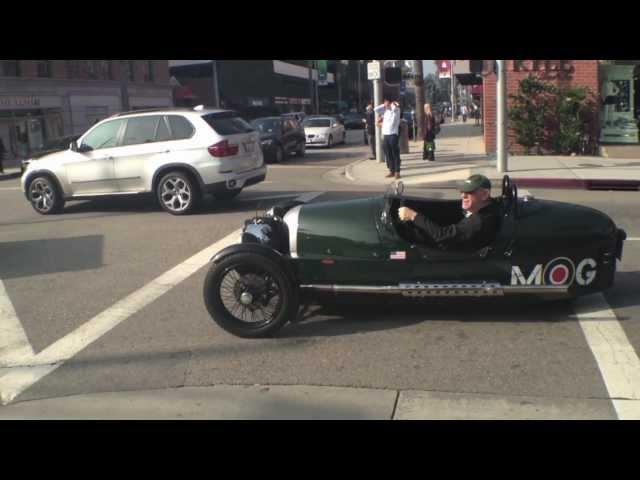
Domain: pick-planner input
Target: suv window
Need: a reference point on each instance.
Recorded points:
(163, 134)
(181, 128)
(103, 136)
(141, 130)
(227, 123)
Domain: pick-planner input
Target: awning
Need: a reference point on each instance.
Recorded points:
(468, 79)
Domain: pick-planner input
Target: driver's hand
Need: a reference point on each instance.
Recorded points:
(406, 214)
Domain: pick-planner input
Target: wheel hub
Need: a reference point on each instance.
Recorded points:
(246, 298)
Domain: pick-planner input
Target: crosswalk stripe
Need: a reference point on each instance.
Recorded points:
(20, 377)
(616, 358)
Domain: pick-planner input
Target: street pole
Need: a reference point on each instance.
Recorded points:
(501, 127)
(310, 86)
(338, 65)
(360, 109)
(124, 85)
(420, 100)
(216, 91)
(377, 94)
(317, 92)
(453, 93)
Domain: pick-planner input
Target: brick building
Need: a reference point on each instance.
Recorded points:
(41, 100)
(614, 83)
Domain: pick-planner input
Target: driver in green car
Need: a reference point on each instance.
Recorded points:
(478, 227)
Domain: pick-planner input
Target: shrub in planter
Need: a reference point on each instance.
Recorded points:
(528, 111)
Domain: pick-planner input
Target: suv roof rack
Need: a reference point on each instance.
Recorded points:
(150, 110)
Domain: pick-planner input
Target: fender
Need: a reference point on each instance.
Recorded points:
(259, 249)
(168, 167)
(48, 173)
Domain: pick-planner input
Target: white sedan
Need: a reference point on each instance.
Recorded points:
(323, 131)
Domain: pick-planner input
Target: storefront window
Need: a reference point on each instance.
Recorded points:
(148, 72)
(44, 68)
(10, 68)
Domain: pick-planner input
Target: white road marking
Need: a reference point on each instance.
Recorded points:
(10, 188)
(617, 359)
(32, 368)
(14, 345)
(632, 239)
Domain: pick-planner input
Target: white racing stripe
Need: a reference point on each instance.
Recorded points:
(617, 359)
(31, 368)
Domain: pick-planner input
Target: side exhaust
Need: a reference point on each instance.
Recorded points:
(415, 290)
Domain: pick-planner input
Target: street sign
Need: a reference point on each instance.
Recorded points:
(322, 72)
(373, 70)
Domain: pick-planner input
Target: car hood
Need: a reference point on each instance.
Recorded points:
(340, 228)
(48, 158)
(316, 130)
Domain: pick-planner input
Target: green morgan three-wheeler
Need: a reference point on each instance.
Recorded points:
(542, 248)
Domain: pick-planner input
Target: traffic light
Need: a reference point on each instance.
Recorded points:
(482, 67)
(392, 75)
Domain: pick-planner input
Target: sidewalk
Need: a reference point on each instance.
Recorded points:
(460, 153)
(302, 402)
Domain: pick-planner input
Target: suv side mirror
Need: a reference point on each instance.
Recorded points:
(73, 146)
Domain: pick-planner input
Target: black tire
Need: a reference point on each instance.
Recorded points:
(227, 194)
(302, 150)
(231, 275)
(45, 196)
(330, 141)
(185, 201)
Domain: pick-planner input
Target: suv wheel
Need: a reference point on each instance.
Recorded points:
(178, 194)
(44, 196)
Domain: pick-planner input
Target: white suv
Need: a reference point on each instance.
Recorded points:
(177, 154)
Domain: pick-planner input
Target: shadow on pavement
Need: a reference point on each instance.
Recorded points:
(349, 315)
(37, 257)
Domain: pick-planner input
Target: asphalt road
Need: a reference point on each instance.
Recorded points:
(61, 271)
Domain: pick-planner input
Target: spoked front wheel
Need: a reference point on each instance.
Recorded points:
(249, 295)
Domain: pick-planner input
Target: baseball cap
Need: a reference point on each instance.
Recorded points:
(475, 182)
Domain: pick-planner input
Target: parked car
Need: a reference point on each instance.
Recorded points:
(542, 249)
(354, 121)
(280, 137)
(50, 146)
(176, 154)
(324, 131)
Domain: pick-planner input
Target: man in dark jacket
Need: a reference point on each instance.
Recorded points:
(371, 130)
(475, 231)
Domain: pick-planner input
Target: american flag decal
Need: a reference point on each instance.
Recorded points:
(398, 256)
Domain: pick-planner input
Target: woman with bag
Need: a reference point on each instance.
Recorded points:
(430, 128)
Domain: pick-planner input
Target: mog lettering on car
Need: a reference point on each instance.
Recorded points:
(559, 271)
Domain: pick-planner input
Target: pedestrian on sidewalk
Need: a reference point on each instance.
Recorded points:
(2, 151)
(390, 111)
(464, 111)
(476, 113)
(430, 128)
(371, 130)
